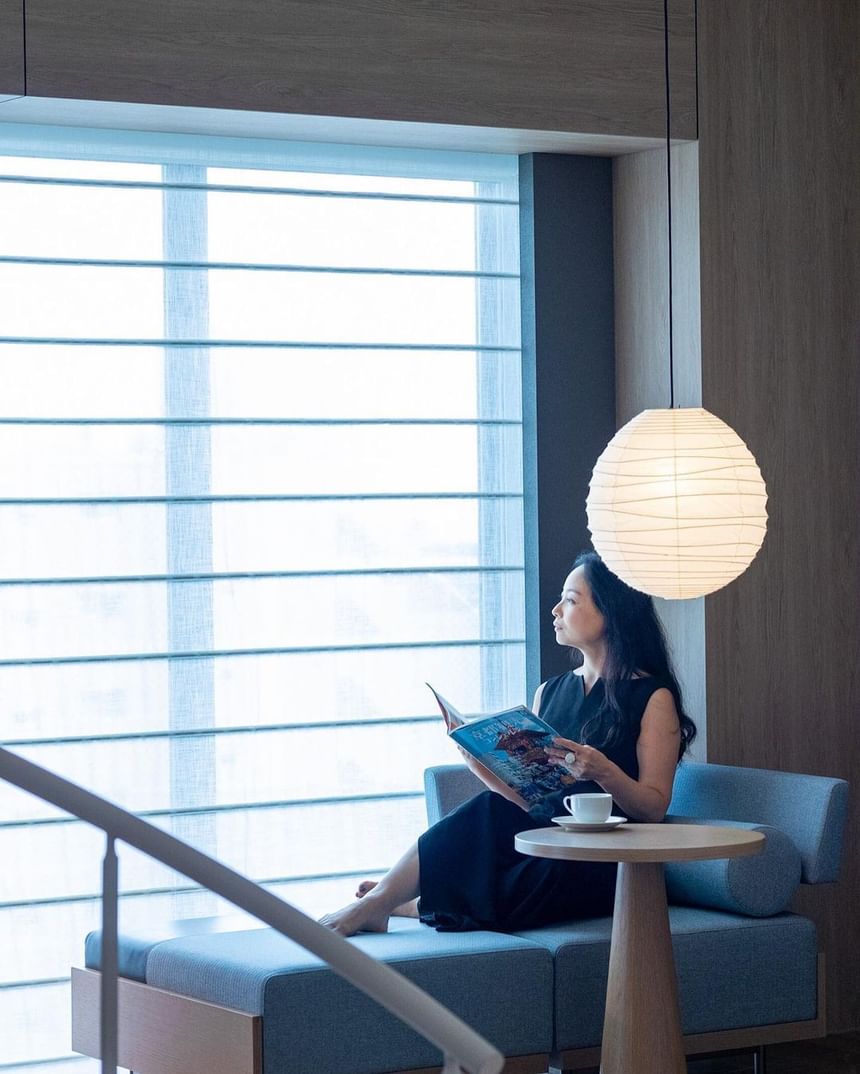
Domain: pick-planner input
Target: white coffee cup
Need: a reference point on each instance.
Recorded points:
(589, 808)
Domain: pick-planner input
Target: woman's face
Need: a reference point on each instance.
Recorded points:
(577, 621)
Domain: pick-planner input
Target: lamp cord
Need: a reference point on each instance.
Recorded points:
(669, 200)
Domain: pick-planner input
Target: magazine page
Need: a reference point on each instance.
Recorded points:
(513, 745)
(452, 717)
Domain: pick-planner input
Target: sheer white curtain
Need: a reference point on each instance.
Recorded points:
(261, 478)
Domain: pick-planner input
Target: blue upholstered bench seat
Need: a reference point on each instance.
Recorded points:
(742, 962)
(733, 972)
(539, 991)
(501, 985)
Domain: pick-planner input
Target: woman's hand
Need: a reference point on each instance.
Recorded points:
(583, 762)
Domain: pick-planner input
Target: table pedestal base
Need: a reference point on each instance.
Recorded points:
(642, 1028)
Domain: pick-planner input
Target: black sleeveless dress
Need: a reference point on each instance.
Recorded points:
(471, 876)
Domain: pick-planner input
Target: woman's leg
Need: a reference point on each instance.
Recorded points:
(371, 912)
(406, 909)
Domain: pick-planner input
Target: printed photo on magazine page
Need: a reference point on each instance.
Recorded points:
(512, 744)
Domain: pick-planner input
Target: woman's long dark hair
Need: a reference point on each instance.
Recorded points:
(635, 645)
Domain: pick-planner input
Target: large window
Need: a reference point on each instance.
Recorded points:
(260, 432)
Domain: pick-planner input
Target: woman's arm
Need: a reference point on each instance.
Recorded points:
(491, 781)
(647, 798)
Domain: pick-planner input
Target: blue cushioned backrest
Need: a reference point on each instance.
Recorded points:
(446, 786)
(810, 809)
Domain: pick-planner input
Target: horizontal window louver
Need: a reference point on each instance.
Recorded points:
(260, 425)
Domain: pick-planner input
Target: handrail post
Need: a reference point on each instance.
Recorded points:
(109, 960)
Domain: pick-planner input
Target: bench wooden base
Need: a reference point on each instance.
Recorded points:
(162, 1032)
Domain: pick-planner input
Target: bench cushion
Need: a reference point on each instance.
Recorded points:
(314, 1020)
(758, 885)
(732, 972)
(136, 944)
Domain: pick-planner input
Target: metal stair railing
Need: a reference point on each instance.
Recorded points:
(464, 1050)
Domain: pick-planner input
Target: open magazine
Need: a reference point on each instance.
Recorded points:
(512, 744)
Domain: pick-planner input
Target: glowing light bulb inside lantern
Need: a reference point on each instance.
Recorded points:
(677, 504)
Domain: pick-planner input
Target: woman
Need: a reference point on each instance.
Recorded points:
(621, 729)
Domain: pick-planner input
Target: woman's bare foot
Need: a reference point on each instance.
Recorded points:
(360, 916)
(406, 909)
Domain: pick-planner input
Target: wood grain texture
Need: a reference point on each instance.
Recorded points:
(779, 108)
(642, 843)
(642, 1023)
(640, 237)
(641, 247)
(640, 226)
(164, 1033)
(590, 66)
(11, 48)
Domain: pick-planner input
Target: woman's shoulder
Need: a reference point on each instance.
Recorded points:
(552, 685)
(555, 681)
(644, 680)
(642, 686)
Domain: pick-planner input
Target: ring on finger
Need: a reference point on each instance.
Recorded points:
(570, 758)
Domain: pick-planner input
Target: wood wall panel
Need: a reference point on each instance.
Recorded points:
(640, 211)
(590, 66)
(640, 223)
(779, 106)
(11, 48)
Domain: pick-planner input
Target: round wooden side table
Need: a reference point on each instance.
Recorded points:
(642, 1023)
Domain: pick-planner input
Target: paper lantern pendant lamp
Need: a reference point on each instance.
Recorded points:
(676, 503)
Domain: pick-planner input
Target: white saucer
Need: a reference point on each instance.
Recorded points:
(571, 825)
